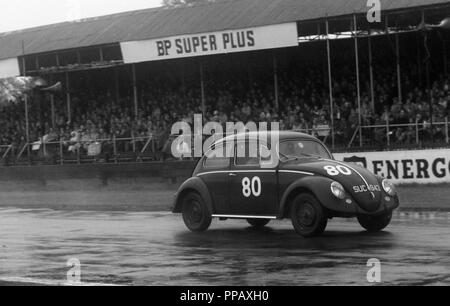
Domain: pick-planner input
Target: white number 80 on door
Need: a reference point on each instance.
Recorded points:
(251, 187)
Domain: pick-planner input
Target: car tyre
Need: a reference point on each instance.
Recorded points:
(375, 223)
(258, 223)
(307, 216)
(195, 213)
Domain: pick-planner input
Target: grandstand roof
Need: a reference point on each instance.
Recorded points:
(165, 22)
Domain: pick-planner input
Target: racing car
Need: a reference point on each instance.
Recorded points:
(294, 177)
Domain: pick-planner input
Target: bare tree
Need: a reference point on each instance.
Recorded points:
(12, 89)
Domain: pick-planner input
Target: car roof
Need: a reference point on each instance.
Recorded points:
(282, 135)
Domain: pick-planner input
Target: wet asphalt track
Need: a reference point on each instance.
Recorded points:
(156, 249)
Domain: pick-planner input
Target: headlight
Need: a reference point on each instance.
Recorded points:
(389, 188)
(338, 190)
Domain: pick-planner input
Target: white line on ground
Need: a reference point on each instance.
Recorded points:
(47, 282)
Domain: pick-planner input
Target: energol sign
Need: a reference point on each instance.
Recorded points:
(258, 38)
(405, 167)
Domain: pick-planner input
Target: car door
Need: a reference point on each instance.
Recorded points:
(215, 174)
(253, 188)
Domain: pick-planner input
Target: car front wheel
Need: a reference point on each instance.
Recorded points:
(375, 223)
(195, 213)
(308, 217)
(258, 223)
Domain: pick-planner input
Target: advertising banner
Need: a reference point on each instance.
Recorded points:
(405, 167)
(258, 38)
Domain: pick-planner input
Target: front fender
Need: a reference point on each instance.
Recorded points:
(194, 184)
(320, 187)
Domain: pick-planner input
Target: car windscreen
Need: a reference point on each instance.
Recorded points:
(302, 149)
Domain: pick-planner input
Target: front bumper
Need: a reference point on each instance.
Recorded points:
(350, 207)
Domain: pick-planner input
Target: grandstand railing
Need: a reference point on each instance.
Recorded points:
(113, 150)
(153, 148)
(322, 132)
(5, 151)
(414, 133)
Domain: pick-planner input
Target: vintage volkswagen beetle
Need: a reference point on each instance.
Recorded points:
(296, 178)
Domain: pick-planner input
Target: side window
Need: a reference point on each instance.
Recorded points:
(267, 158)
(247, 154)
(217, 159)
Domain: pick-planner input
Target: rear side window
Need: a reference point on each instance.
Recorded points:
(217, 159)
(217, 162)
(245, 156)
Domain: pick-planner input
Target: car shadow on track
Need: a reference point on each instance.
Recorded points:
(269, 237)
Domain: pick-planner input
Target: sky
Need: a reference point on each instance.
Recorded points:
(21, 14)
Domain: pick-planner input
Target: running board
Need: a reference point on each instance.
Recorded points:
(243, 217)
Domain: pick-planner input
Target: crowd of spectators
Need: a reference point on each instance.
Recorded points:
(303, 102)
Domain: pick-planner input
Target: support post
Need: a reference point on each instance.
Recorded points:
(27, 122)
(358, 85)
(116, 84)
(427, 71)
(372, 86)
(78, 153)
(68, 98)
(275, 81)
(202, 88)
(444, 51)
(419, 61)
(27, 132)
(330, 85)
(52, 102)
(417, 133)
(115, 149)
(446, 130)
(135, 93)
(44, 146)
(399, 71)
(61, 152)
(388, 132)
(24, 67)
(133, 140)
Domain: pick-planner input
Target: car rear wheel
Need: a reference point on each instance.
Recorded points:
(195, 213)
(258, 223)
(308, 217)
(375, 223)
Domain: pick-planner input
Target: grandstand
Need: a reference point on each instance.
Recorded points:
(315, 66)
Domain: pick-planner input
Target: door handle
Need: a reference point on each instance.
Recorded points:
(232, 174)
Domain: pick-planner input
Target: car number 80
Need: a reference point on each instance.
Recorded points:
(251, 187)
(334, 171)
